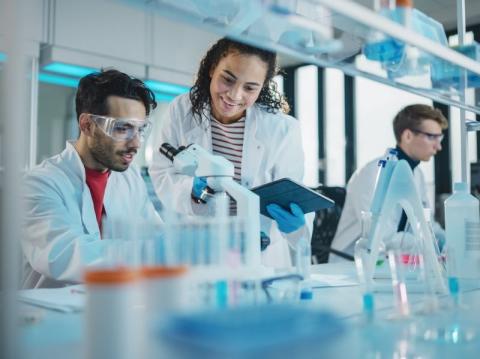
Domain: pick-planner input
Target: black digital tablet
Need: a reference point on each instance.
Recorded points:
(285, 191)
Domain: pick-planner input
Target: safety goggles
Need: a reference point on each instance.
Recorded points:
(123, 129)
(434, 137)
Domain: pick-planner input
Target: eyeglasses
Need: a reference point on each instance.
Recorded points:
(438, 137)
(123, 129)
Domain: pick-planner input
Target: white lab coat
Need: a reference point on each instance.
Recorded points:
(62, 236)
(360, 189)
(272, 149)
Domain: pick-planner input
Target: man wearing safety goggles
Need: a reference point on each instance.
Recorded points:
(121, 135)
(418, 132)
(79, 197)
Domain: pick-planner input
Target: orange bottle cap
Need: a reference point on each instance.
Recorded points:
(405, 3)
(163, 271)
(111, 276)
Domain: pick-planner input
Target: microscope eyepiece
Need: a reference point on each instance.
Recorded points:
(169, 151)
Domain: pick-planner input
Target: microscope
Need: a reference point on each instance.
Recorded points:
(193, 160)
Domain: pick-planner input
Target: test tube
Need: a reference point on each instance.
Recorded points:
(398, 283)
(453, 282)
(361, 264)
(431, 302)
(303, 257)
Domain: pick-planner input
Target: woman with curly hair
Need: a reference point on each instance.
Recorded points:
(234, 110)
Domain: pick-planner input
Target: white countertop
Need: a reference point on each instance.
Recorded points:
(54, 334)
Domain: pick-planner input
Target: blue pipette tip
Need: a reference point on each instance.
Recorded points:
(453, 285)
(368, 302)
(368, 305)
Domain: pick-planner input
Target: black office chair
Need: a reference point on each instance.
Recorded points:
(325, 224)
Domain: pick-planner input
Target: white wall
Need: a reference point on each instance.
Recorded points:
(135, 34)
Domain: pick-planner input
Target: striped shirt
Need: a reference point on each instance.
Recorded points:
(227, 141)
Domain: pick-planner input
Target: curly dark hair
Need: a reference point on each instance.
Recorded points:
(94, 89)
(269, 98)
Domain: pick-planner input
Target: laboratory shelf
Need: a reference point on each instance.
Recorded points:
(338, 34)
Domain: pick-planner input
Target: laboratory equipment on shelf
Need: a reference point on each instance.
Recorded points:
(462, 216)
(398, 58)
(448, 75)
(473, 125)
(395, 188)
(318, 41)
(193, 160)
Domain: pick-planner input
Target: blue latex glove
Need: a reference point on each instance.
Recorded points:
(287, 221)
(200, 190)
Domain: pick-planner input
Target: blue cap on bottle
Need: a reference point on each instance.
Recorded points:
(306, 294)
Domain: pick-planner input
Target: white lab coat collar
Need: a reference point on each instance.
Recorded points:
(252, 146)
(73, 160)
(76, 166)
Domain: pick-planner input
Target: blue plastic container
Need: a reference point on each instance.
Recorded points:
(448, 75)
(268, 331)
(392, 53)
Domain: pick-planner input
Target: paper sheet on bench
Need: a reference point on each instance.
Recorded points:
(65, 299)
(319, 280)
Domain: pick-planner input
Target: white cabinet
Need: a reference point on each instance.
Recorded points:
(179, 47)
(102, 28)
(125, 35)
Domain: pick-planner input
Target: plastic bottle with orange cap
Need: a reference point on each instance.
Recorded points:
(113, 319)
(124, 303)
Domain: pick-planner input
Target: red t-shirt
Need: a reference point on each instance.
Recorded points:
(97, 182)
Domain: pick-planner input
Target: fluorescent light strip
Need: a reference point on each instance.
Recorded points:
(58, 80)
(70, 82)
(163, 97)
(164, 87)
(67, 69)
(164, 92)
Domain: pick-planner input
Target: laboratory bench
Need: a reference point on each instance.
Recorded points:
(51, 334)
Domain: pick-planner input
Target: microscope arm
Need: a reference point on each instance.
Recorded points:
(194, 160)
